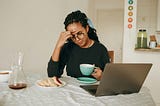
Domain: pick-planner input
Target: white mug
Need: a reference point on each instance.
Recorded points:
(152, 44)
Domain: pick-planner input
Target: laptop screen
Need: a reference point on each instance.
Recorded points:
(122, 78)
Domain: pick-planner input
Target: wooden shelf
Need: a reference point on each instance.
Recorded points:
(157, 49)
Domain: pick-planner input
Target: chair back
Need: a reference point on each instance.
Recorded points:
(111, 55)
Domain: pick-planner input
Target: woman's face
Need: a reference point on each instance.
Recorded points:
(79, 34)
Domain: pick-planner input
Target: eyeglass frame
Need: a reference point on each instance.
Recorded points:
(78, 35)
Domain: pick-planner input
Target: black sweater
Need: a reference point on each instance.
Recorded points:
(72, 56)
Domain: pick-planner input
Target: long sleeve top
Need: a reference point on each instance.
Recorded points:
(71, 56)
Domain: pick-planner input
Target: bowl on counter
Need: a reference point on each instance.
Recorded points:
(4, 75)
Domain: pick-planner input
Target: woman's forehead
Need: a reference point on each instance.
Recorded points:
(75, 26)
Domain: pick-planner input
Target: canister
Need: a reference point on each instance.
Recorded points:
(142, 38)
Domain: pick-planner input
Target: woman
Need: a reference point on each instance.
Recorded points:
(82, 46)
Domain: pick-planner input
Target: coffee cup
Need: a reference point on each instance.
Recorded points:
(87, 69)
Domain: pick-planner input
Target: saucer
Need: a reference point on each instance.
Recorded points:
(86, 80)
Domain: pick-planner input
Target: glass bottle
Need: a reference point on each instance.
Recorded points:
(142, 39)
(17, 78)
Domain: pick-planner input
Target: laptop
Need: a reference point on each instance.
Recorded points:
(120, 78)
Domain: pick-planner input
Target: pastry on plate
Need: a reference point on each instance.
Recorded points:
(50, 82)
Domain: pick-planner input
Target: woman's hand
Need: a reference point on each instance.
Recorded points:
(57, 81)
(97, 73)
(63, 38)
(61, 41)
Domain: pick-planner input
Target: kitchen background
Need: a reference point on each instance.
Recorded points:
(33, 27)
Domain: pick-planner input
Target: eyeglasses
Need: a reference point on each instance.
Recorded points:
(79, 35)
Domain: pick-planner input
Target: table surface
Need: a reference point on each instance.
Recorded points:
(69, 95)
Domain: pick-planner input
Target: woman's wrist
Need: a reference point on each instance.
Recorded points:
(56, 53)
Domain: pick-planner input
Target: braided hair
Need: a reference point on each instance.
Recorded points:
(78, 16)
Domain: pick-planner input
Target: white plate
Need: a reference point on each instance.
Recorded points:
(63, 84)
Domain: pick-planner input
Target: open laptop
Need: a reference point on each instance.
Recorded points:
(120, 78)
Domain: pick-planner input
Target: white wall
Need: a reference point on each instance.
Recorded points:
(158, 19)
(147, 16)
(33, 26)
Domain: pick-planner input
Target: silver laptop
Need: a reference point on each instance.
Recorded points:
(120, 78)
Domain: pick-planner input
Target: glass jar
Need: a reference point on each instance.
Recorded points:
(142, 39)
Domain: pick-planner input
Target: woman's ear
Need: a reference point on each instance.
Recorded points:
(87, 28)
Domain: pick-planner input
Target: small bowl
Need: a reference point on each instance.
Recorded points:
(4, 75)
(86, 69)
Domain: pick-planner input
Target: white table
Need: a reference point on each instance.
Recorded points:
(69, 95)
